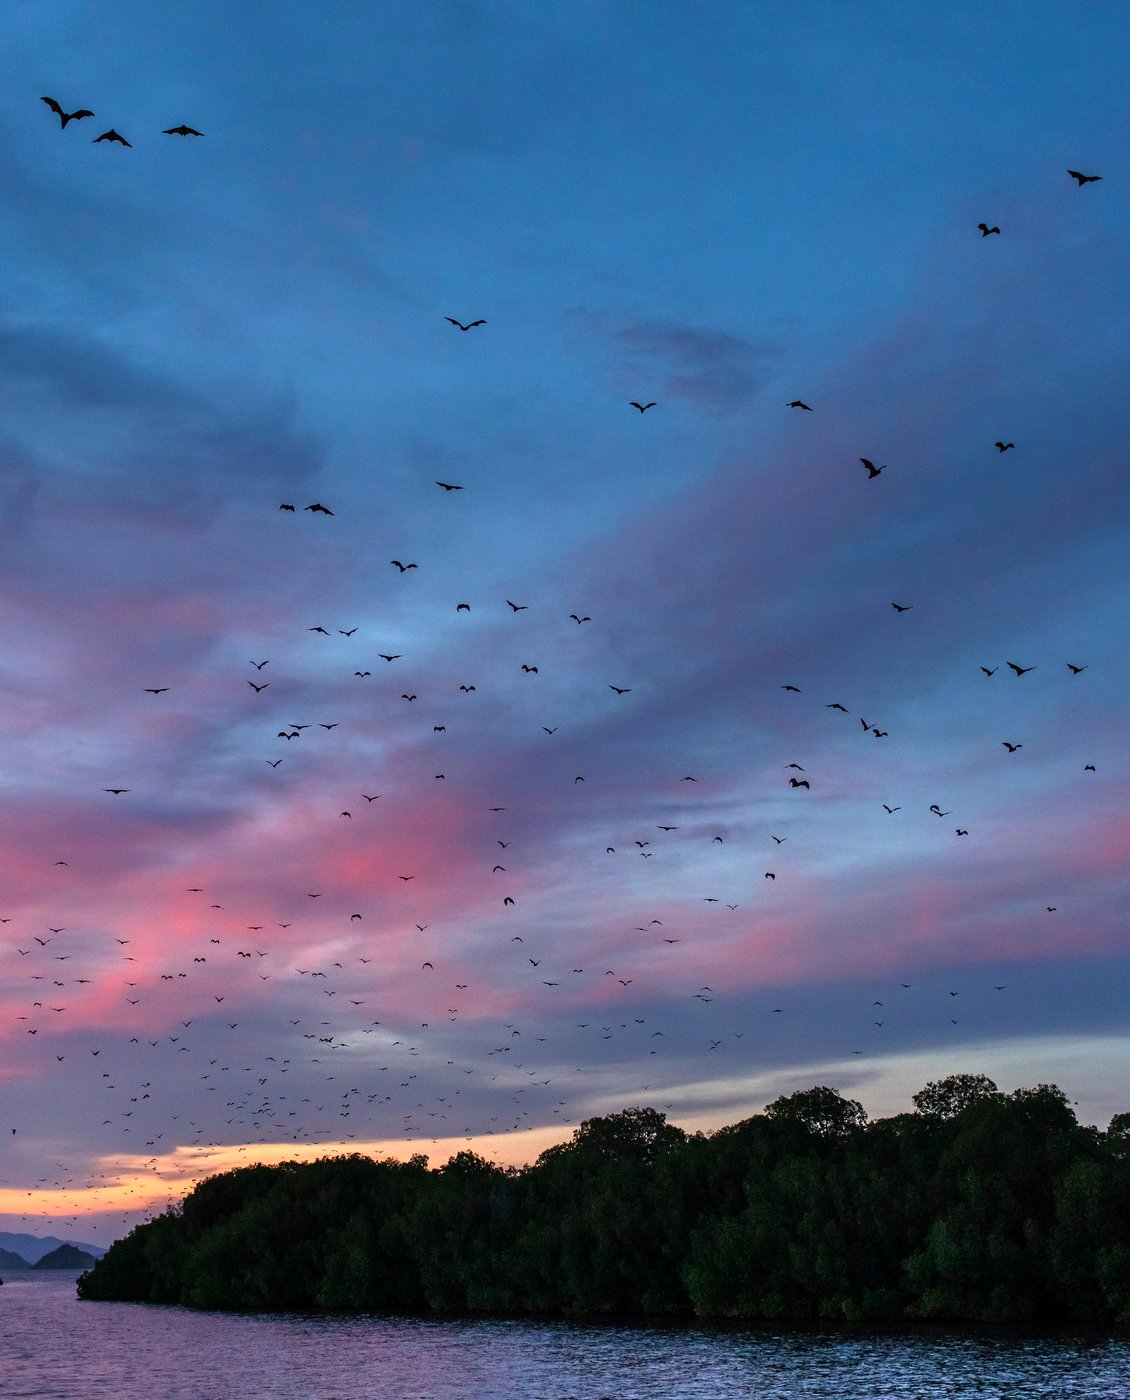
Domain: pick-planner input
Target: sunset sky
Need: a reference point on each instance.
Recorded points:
(721, 208)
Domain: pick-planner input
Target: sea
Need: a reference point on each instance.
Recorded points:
(53, 1347)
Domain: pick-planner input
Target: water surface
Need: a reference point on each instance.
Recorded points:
(52, 1347)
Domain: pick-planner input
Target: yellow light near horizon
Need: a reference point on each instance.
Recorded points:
(138, 1186)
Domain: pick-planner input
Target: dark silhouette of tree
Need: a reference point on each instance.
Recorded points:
(979, 1206)
(821, 1110)
(945, 1098)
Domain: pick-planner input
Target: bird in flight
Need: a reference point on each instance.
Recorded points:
(872, 470)
(65, 117)
(643, 407)
(796, 403)
(111, 135)
(1003, 446)
(986, 230)
(1076, 175)
(460, 324)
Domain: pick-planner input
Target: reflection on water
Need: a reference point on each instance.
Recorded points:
(53, 1347)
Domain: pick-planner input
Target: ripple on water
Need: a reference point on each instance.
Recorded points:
(54, 1348)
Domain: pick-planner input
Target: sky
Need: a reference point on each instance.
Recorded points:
(464, 876)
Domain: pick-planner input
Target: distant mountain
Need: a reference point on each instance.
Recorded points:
(31, 1248)
(9, 1260)
(67, 1256)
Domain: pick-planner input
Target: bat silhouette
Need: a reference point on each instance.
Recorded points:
(448, 487)
(111, 135)
(181, 130)
(65, 117)
(643, 407)
(319, 508)
(986, 230)
(460, 324)
(796, 403)
(872, 470)
(1076, 175)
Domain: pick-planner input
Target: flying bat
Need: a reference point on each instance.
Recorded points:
(181, 130)
(111, 135)
(643, 407)
(460, 324)
(65, 117)
(1076, 175)
(319, 508)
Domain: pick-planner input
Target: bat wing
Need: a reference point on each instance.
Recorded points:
(56, 108)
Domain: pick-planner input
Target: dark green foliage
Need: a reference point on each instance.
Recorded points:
(981, 1206)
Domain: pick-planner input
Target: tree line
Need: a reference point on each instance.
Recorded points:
(979, 1206)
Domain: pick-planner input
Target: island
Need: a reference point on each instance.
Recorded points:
(977, 1207)
(67, 1256)
(9, 1259)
